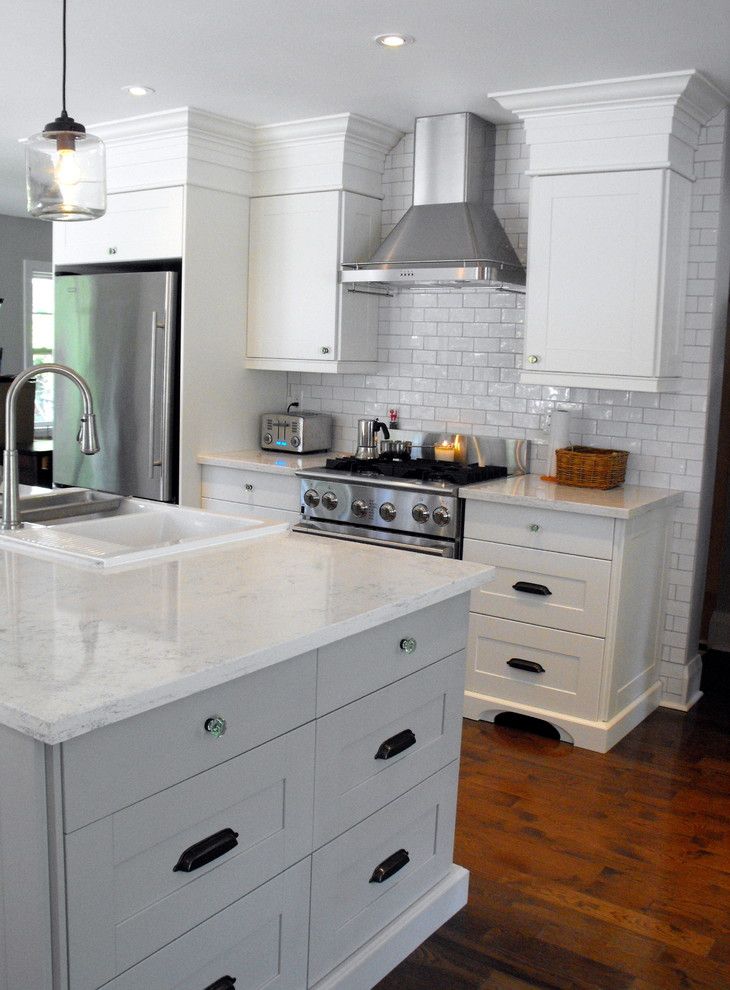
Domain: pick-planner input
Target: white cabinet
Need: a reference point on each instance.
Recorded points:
(138, 226)
(300, 318)
(607, 272)
(167, 854)
(261, 494)
(569, 630)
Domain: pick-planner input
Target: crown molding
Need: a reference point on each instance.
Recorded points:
(616, 124)
(688, 88)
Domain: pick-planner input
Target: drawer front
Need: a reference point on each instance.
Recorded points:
(540, 529)
(570, 681)
(144, 754)
(260, 942)
(373, 750)
(558, 589)
(126, 898)
(363, 663)
(255, 511)
(348, 908)
(251, 487)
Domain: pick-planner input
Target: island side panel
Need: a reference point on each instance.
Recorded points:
(25, 921)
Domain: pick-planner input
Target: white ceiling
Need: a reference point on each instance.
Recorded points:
(272, 60)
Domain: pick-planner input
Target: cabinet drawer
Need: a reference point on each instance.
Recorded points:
(144, 754)
(126, 898)
(137, 226)
(260, 942)
(251, 511)
(251, 487)
(540, 529)
(417, 719)
(571, 678)
(348, 908)
(578, 587)
(368, 661)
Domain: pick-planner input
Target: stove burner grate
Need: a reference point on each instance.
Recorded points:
(420, 469)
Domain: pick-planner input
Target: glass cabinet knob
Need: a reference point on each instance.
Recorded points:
(533, 358)
(216, 726)
(408, 645)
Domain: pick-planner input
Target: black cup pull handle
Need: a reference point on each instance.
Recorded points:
(396, 744)
(530, 588)
(225, 982)
(390, 866)
(532, 665)
(206, 851)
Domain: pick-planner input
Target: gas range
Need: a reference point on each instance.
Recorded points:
(409, 503)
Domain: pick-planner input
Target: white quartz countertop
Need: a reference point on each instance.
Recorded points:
(623, 502)
(272, 461)
(79, 649)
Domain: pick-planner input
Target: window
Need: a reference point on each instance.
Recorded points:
(39, 340)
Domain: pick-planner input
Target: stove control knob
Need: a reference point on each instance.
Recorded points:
(311, 497)
(329, 500)
(360, 507)
(420, 513)
(441, 516)
(387, 511)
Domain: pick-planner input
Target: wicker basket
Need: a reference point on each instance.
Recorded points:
(591, 467)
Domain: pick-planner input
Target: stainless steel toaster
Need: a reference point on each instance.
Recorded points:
(296, 434)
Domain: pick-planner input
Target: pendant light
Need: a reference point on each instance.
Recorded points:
(65, 167)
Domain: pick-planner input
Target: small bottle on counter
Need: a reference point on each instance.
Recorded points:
(393, 419)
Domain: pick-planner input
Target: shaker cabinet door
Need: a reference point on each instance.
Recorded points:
(605, 269)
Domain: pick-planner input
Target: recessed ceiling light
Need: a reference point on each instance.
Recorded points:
(393, 40)
(137, 90)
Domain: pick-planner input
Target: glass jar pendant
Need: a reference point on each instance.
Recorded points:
(65, 172)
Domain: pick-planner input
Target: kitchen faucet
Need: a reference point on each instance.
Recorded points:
(87, 437)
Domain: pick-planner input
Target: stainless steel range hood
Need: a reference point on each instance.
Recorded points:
(451, 234)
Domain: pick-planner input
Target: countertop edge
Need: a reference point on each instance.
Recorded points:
(248, 460)
(53, 733)
(664, 498)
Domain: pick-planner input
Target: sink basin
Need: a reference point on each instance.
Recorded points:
(107, 531)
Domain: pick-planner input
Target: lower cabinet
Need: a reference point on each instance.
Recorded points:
(263, 844)
(261, 494)
(569, 630)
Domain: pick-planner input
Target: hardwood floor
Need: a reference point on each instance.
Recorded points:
(590, 871)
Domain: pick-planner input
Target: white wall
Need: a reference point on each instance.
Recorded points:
(449, 359)
(21, 239)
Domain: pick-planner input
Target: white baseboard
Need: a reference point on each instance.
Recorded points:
(371, 963)
(690, 675)
(582, 732)
(681, 706)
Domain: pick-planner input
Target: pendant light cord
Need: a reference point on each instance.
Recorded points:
(63, 83)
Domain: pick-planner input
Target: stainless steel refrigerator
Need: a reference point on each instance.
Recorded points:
(119, 330)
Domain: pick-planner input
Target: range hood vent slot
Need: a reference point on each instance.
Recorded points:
(451, 235)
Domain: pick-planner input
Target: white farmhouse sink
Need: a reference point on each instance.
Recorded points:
(109, 532)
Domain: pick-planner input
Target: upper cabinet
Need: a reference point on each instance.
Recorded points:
(299, 316)
(316, 202)
(612, 166)
(143, 225)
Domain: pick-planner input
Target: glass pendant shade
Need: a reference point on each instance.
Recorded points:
(65, 172)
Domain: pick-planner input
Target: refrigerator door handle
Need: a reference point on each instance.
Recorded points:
(153, 461)
(167, 388)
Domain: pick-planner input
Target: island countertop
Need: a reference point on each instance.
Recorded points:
(79, 649)
(623, 502)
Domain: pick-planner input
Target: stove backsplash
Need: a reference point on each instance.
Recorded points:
(513, 454)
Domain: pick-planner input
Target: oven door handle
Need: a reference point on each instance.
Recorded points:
(413, 547)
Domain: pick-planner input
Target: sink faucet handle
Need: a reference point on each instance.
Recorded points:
(87, 438)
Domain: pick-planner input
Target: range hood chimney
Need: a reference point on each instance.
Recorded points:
(451, 234)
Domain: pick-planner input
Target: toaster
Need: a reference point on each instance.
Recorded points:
(296, 434)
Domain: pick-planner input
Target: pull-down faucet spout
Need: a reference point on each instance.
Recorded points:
(87, 438)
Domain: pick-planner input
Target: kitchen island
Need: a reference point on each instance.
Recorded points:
(235, 768)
